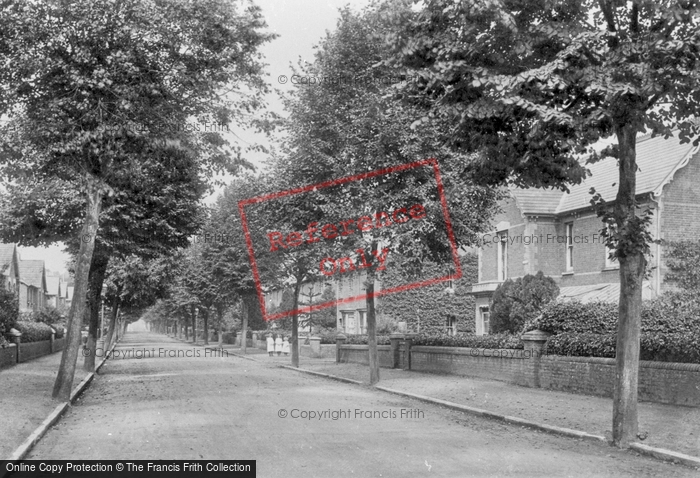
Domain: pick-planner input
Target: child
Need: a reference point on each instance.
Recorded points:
(270, 345)
(285, 346)
(278, 344)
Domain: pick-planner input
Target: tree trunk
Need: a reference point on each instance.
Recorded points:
(244, 325)
(205, 314)
(194, 325)
(220, 317)
(632, 265)
(98, 270)
(294, 343)
(372, 324)
(113, 320)
(66, 371)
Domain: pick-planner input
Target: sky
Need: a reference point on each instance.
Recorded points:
(300, 24)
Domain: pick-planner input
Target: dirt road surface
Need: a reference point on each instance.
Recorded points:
(181, 402)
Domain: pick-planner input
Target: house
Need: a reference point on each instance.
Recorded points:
(69, 294)
(9, 267)
(62, 285)
(53, 294)
(32, 289)
(559, 233)
(352, 316)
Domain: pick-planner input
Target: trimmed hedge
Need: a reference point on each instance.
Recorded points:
(671, 313)
(495, 341)
(670, 329)
(33, 331)
(657, 347)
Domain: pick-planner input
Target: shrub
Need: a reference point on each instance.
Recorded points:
(34, 331)
(496, 341)
(48, 315)
(672, 313)
(660, 347)
(9, 311)
(515, 302)
(358, 339)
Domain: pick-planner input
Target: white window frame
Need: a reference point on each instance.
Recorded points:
(485, 324)
(610, 263)
(362, 321)
(502, 255)
(451, 325)
(569, 246)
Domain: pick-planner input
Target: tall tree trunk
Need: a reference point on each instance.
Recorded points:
(66, 371)
(244, 325)
(113, 320)
(98, 270)
(632, 265)
(194, 324)
(372, 321)
(205, 316)
(294, 343)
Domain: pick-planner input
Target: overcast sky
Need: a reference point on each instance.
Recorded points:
(301, 24)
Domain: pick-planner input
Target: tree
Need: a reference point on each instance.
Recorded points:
(515, 302)
(94, 84)
(350, 125)
(530, 87)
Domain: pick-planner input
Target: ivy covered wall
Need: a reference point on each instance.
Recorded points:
(427, 308)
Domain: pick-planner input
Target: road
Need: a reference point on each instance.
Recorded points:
(208, 406)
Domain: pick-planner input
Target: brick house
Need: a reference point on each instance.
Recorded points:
(9, 267)
(559, 233)
(32, 285)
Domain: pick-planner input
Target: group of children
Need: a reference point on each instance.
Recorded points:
(277, 345)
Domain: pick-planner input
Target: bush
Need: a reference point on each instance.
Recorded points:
(673, 313)
(515, 302)
(359, 339)
(496, 341)
(34, 331)
(659, 347)
(9, 312)
(47, 315)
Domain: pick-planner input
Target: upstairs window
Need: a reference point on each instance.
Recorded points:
(569, 246)
(503, 255)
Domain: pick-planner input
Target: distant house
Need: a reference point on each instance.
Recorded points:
(69, 294)
(63, 285)
(559, 233)
(352, 316)
(9, 267)
(53, 294)
(32, 289)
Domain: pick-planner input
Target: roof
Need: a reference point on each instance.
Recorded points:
(53, 285)
(606, 292)
(7, 252)
(658, 160)
(32, 273)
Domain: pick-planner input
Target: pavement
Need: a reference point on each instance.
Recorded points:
(217, 405)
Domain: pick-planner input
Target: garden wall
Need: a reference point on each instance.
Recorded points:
(29, 351)
(663, 382)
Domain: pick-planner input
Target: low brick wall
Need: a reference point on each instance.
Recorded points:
(32, 350)
(59, 344)
(663, 382)
(327, 351)
(8, 356)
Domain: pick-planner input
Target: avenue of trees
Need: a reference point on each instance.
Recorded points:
(101, 96)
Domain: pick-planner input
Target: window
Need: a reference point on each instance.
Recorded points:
(345, 323)
(485, 320)
(451, 325)
(503, 256)
(610, 263)
(363, 321)
(570, 246)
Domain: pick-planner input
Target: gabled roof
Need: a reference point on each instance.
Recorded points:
(32, 273)
(8, 253)
(658, 160)
(53, 285)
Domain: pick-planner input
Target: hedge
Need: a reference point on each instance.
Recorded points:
(495, 341)
(658, 347)
(669, 314)
(33, 331)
